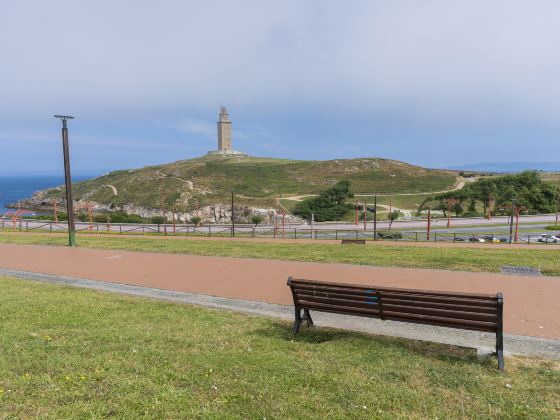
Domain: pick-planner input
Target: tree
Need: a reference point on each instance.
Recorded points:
(256, 219)
(526, 187)
(195, 220)
(331, 204)
(394, 215)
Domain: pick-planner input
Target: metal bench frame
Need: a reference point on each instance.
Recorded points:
(469, 311)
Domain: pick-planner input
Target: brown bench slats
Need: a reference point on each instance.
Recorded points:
(353, 241)
(486, 312)
(421, 303)
(470, 311)
(341, 302)
(346, 309)
(442, 313)
(318, 284)
(458, 313)
(401, 296)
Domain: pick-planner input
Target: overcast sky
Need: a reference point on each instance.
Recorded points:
(435, 83)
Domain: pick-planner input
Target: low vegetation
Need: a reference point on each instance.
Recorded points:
(190, 184)
(73, 353)
(531, 194)
(486, 259)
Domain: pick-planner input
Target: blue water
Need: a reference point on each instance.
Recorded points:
(15, 188)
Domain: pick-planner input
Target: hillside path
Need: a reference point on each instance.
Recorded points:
(459, 186)
(532, 304)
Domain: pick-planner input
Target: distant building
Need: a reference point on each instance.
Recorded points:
(224, 135)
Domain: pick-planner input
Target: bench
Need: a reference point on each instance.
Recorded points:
(479, 312)
(353, 241)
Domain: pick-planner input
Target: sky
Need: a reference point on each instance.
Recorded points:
(435, 83)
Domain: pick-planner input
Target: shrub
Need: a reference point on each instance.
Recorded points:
(196, 220)
(157, 220)
(389, 235)
(256, 219)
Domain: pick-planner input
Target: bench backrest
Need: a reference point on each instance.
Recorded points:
(481, 312)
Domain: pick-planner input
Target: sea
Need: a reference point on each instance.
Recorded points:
(14, 188)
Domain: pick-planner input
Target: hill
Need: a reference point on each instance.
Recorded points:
(193, 183)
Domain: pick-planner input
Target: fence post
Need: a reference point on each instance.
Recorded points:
(336, 234)
(454, 236)
(435, 237)
(253, 235)
(295, 233)
(209, 231)
(27, 225)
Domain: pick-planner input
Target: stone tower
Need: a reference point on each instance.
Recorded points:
(224, 132)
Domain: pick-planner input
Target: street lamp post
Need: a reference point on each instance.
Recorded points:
(232, 216)
(375, 217)
(68, 180)
(557, 203)
(511, 221)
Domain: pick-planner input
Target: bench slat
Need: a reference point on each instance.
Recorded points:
(304, 300)
(306, 295)
(349, 310)
(400, 295)
(297, 282)
(445, 313)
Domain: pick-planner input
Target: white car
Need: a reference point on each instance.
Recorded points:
(549, 238)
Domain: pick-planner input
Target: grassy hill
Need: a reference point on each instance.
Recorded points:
(256, 181)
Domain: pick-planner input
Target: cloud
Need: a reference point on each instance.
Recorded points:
(193, 126)
(433, 60)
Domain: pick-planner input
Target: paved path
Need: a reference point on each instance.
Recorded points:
(481, 341)
(532, 304)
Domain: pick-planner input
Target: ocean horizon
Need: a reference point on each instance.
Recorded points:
(15, 188)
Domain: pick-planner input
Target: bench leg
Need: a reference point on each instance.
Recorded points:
(297, 322)
(500, 349)
(308, 317)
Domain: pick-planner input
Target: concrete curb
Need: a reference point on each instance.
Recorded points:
(482, 342)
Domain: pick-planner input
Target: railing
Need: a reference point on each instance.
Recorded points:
(251, 231)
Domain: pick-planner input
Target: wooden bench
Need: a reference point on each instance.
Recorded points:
(353, 241)
(469, 311)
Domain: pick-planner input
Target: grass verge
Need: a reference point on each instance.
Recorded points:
(459, 259)
(69, 352)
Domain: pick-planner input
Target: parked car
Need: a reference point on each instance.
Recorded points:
(495, 239)
(545, 237)
(469, 239)
(475, 239)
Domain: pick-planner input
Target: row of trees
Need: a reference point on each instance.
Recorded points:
(529, 191)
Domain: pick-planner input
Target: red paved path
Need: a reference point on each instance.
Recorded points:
(532, 304)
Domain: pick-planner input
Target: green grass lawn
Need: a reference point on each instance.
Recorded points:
(69, 352)
(462, 259)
